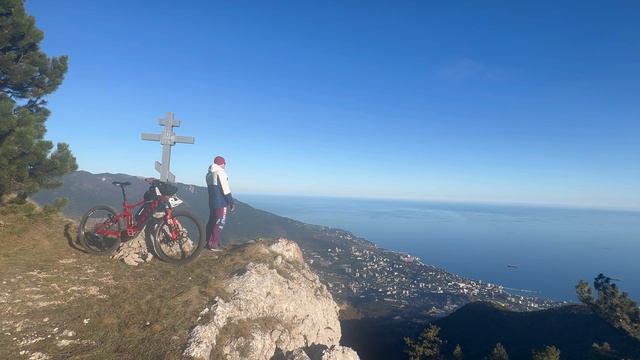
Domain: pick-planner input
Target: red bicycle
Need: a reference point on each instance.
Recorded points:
(177, 236)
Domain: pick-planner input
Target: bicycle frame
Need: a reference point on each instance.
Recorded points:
(132, 229)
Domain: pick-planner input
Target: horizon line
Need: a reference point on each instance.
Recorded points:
(516, 203)
(567, 206)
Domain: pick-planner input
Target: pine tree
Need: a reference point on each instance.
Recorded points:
(427, 346)
(457, 353)
(603, 352)
(549, 353)
(583, 291)
(27, 75)
(499, 353)
(614, 307)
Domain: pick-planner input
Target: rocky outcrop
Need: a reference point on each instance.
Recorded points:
(323, 353)
(141, 249)
(276, 307)
(340, 353)
(134, 251)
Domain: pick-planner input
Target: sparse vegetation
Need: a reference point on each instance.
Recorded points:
(498, 353)
(602, 352)
(427, 346)
(56, 206)
(572, 329)
(241, 332)
(549, 353)
(617, 308)
(457, 353)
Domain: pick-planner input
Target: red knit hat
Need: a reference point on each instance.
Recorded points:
(219, 160)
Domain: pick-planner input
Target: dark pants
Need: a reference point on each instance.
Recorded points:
(217, 217)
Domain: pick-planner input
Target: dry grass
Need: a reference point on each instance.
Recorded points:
(59, 301)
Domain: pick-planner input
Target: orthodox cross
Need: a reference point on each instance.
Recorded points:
(167, 139)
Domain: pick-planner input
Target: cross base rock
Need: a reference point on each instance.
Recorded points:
(135, 251)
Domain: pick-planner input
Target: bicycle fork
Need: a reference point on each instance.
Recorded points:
(173, 225)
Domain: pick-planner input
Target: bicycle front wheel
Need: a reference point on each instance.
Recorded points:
(97, 230)
(179, 239)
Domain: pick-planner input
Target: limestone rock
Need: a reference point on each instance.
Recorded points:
(134, 251)
(288, 249)
(258, 345)
(274, 307)
(335, 352)
(340, 353)
(297, 354)
(140, 249)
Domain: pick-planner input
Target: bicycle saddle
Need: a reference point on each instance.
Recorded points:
(121, 184)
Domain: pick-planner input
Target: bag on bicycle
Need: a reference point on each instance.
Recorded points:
(164, 188)
(167, 189)
(150, 194)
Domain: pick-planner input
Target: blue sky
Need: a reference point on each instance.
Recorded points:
(499, 101)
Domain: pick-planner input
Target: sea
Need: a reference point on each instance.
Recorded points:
(536, 251)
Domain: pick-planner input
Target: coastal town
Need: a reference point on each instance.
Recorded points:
(362, 274)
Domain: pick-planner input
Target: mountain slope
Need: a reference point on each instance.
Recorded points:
(85, 190)
(477, 327)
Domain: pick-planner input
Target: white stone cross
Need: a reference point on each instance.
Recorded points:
(167, 139)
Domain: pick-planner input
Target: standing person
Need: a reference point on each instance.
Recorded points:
(219, 200)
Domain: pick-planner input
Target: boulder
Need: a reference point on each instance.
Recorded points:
(275, 307)
(135, 251)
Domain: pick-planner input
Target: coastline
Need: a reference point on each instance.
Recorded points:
(554, 248)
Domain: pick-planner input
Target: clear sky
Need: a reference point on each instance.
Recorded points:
(497, 101)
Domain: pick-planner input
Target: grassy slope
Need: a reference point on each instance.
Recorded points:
(48, 285)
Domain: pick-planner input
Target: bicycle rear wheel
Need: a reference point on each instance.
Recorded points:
(187, 243)
(90, 232)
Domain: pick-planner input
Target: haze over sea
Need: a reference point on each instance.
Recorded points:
(539, 249)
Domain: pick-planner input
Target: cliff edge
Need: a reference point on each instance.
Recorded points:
(252, 301)
(275, 308)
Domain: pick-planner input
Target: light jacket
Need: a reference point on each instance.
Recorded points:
(218, 187)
